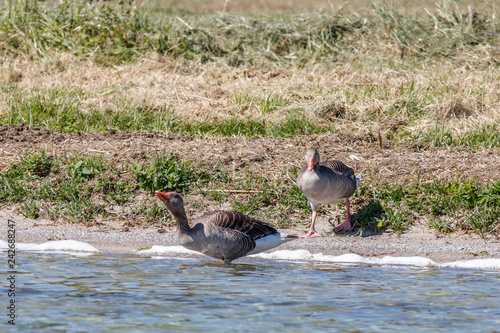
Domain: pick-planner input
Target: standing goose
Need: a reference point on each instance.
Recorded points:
(326, 183)
(222, 234)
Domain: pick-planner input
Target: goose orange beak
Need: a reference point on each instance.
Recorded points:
(310, 163)
(162, 196)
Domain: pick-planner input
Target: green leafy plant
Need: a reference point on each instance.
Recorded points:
(86, 168)
(167, 172)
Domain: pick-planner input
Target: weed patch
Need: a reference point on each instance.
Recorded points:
(168, 172)
(86, 189)
(447, 206)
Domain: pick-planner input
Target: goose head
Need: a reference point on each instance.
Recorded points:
(172, 200)
(312, 158)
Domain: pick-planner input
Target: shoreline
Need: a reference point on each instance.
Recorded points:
(114, 238)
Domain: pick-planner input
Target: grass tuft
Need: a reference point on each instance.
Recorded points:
(167, 172)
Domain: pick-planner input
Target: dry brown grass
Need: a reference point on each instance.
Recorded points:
(369, 83)
(408, 7)
(329, 95)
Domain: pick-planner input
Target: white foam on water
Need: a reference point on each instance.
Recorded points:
(52, 246)
(349, 258)
(409, 261)
(491, 263)
(487, 263)
(76, 247)
(167, 250)
(285, 254)
(344, 258)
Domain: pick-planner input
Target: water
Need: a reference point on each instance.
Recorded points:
(118, 293)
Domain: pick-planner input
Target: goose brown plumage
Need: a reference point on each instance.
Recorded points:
(326, 183)
(222, 234)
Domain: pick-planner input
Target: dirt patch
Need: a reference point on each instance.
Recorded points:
(267, 156)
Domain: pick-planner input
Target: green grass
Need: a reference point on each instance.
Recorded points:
(79, 189)
(85, 189)
(104, 32)
(276, 199)
(272, 101)
(168, 172)
(484, 137)
(42, 178)
(296, 123)
(61, 110)
(446, 206)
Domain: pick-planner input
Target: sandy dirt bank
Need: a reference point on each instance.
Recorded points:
(113, 237)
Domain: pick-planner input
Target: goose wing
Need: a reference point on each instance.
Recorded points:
(238, 222)
(338, 166)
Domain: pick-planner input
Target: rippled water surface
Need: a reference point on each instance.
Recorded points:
(64, 293)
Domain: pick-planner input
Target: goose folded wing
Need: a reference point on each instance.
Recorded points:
(240, 222)
(338, 166)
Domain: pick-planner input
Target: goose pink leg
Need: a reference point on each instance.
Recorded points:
(347, 224)
(311, 233)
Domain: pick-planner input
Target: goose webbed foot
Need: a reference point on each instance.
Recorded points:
(346, 226)
(310, 234)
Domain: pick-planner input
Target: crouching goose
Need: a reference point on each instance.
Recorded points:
(222, 234)
(326, 183)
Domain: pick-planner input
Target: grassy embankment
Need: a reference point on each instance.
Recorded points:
(78, 67)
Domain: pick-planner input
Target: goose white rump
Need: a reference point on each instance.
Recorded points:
(270, 242)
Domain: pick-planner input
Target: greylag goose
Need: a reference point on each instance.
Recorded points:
(222, 234)
(326, 183)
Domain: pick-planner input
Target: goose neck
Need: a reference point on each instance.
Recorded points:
(182, 221)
